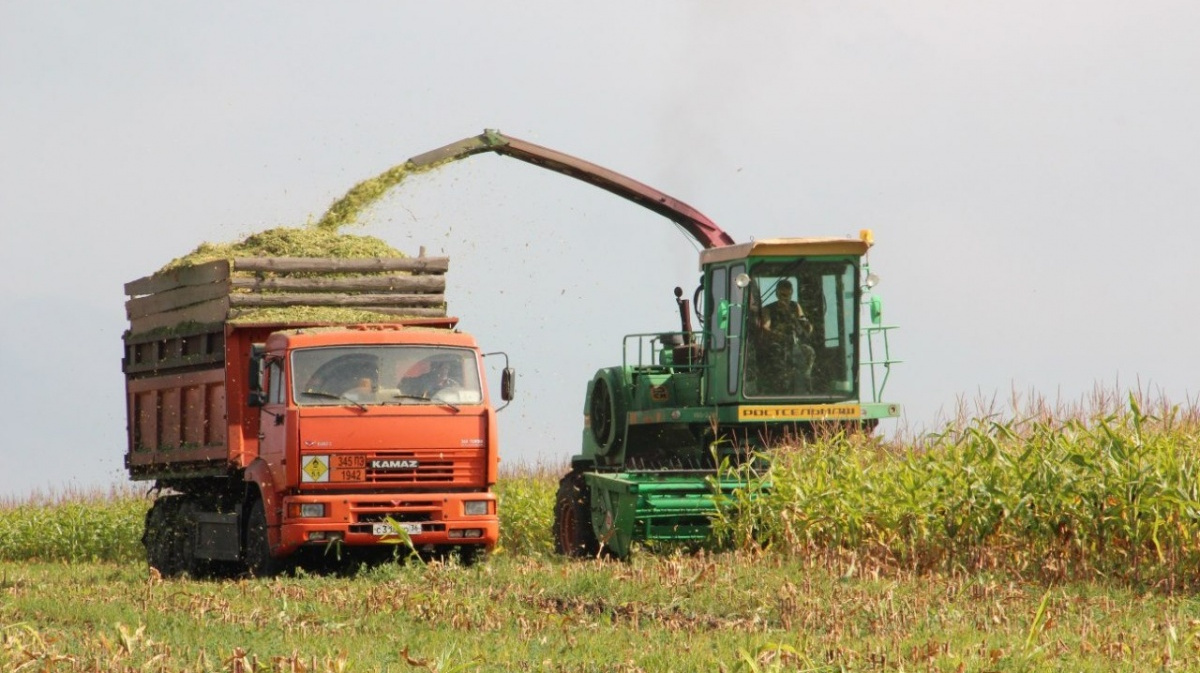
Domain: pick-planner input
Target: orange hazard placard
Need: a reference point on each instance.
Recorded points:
(347, 474)
(350, 467)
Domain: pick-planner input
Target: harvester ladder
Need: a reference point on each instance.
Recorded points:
(885, 361)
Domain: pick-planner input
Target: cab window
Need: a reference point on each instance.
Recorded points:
(801, 321)
(383, 375)
(275, 388)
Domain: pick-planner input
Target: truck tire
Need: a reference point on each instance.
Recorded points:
(161, 537)
(470, 555)
(185, 538)
(257, 547)
(573, 533)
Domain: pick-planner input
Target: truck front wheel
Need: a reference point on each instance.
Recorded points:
(257, 548)
(573, 533)
(472, 554)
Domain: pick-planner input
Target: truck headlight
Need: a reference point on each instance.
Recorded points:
(308, 510)
(475, 507)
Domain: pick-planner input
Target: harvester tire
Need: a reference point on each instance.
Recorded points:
(257, 548)
(573, 532)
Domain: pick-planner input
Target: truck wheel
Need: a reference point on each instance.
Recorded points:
(188, 527)
(159, 537)
(573, 533)
(257, 548)
(470, 555)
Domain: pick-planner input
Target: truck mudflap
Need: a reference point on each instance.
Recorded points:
(630, 507)
(428, 519)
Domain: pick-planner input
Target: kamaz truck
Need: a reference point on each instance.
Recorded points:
(271, 431)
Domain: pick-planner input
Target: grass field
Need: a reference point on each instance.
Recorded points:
(1043, 541)
(673, 613)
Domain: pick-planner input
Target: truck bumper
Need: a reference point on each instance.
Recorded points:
(430, 519)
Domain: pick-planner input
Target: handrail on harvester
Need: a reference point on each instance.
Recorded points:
(695, 223)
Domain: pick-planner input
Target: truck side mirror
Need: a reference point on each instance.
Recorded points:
(256, 397)
(508, 384)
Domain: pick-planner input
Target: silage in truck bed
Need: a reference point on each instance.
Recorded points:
(322, 240)
(289, 242)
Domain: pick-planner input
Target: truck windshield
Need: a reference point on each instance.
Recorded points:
(801, 319)
(380, 375)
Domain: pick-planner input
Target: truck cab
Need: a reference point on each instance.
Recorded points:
(370, 428)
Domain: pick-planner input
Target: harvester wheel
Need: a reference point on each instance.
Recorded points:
(573, 532)
(257, 548)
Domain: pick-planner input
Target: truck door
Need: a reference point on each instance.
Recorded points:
(272, 436)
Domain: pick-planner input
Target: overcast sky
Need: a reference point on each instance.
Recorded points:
(1030, 169)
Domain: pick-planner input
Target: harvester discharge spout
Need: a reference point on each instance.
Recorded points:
(696, 224)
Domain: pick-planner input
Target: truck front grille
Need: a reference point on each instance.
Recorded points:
(466, 467)
(428, 471)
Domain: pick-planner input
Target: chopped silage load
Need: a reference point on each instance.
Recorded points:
(321, 239)
(307, 241)
(335, 315)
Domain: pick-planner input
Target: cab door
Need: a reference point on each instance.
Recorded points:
(273, 426)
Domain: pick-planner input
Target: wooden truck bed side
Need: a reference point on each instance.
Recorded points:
(187, 347)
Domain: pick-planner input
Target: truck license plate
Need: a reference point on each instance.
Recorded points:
(382, 529)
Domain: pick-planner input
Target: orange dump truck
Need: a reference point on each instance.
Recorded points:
(271, 430)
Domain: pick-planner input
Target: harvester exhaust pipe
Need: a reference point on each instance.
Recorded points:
(685, 316)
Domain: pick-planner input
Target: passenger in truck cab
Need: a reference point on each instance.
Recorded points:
(363, 391)
(440, 375)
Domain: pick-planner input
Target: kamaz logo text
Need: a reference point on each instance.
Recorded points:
(395, 464)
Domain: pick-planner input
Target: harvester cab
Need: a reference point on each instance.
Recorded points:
(790, 339)
(777, 354)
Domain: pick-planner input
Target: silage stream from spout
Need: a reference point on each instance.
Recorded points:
(324, 238)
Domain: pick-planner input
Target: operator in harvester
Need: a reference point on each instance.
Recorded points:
(784, 355)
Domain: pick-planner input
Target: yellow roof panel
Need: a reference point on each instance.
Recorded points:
(786, 247)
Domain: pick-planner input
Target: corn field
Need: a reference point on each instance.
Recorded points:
(1045, 496)
(1114, 496)
(1046, 541)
